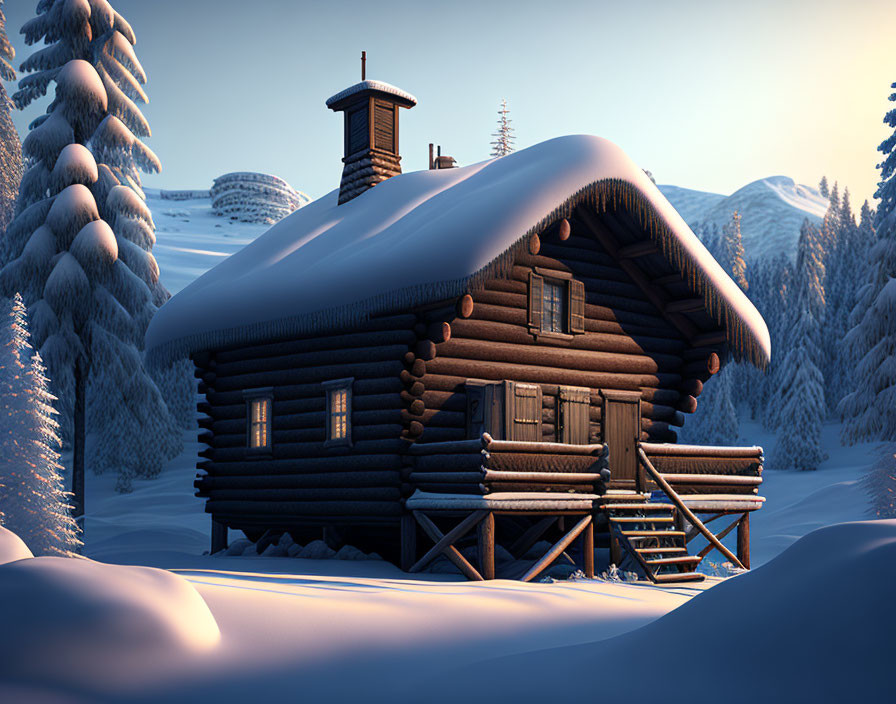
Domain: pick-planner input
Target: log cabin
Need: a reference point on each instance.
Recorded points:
(511, 344)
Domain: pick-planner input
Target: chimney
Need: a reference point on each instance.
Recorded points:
(371, 132)
(441, 162)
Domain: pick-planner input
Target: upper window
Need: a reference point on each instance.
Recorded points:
(339, 411)
(556, 304)
(258, 429)
(553, 308)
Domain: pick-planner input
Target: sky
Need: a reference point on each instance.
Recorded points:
(706, 95)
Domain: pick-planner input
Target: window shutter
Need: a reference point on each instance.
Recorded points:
(576, 306)
(575, 406)
(536, 292)
(523, 409)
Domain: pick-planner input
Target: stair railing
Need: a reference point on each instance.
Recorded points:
(685, 511)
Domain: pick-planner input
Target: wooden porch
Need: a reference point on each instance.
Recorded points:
(516, 494)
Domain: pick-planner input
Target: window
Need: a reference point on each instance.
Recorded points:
(553, 307)
(259, 404)
(556, 305)
(339, 411)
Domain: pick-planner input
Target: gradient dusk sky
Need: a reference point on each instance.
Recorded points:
(706, 95)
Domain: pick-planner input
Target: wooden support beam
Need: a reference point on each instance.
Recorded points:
(445, 543)
(588, 550)
(219, 536)
(487, 546)
(721, 536)
(638, 249)
(557, 549)
(743, 540)
(531, 536)
(408, 541)
(655, 296)
(685, 305)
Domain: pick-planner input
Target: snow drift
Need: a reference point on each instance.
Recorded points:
(814, 624)
(76, 620)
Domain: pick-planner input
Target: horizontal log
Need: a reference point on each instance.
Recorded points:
(378, 331)
(688, 404)
(596, 341)
(425, 350)
(308, 375)
(315, 358)
(694, 387)
(297, 481)
(447, 477)
(584, 261)
(543, 462)
(481, 369)
(492, 445)
(543, 477)
(451, 488)
(305, 494)
(293, 451)
(291, 392)
(701, 451)
(366, 464)
(465, 461)
(435, 434)
(304, 508)
(438, 418)
(708, 465)
(495, 487)
(445, 400)
(439, 332)
(474, 446)
(608, 303)
(304, 435)
(715, 479)
(572, 359)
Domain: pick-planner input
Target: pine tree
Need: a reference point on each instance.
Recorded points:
(504, 139)
(80, 247)
(799, 407)
(732, 246)
(823, 187)
(10, 147)
(869, 412)
(32, 498)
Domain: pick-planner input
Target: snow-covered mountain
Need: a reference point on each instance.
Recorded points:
(191, 239)
(772, 211)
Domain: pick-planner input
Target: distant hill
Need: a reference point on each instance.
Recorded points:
(772, 211)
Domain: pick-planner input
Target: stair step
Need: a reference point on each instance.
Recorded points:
(657, 551)
(679, 577)
(642, 519)
(638, 507)
(653, 533)
(694, 559)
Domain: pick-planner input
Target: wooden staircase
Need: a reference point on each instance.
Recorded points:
(649, 532)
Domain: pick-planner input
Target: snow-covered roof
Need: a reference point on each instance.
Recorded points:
(381, 86)
(426, 236)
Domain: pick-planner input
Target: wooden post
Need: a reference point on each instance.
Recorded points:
(219, 536)
(743, 540)
(588, 550)
(408, 541)
(487, 546)
(615, 550)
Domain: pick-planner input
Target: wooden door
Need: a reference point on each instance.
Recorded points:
(621, 425)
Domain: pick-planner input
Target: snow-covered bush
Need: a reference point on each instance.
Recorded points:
(32, 500)
(252, 197)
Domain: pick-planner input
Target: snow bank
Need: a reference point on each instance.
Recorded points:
(418, 238)
(79, 620)
(11, 547)
(814, 624)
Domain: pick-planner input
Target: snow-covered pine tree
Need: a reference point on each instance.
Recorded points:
(715, 421)
(869, 412)
(823, 188)
(91, 291)
(732, 246)
(799, 406)
(503, 142)
(10, 147)
(32, 498)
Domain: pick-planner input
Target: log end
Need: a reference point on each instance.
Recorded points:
(564, 230)
(465, 306)
(534, 244)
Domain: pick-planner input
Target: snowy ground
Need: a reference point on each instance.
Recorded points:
(363, 631)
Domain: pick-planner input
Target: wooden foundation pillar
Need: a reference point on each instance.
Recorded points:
(588, 550)
(743, 540)
(615, 550)
(487, 546)
(408, 541)
(219, 536)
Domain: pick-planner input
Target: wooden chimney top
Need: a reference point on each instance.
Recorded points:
(371, 132)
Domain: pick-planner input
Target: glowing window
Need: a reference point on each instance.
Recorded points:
(259, 407)
(339, 411)
(553, 309)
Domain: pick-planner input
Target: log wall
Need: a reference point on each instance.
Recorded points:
(627, 345)
(302, 481)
